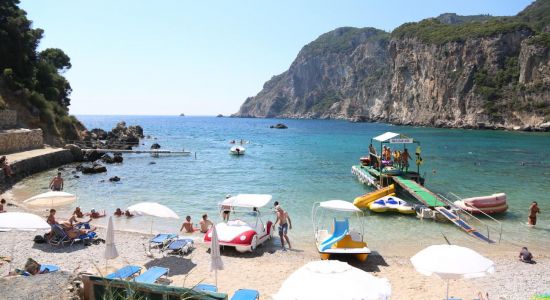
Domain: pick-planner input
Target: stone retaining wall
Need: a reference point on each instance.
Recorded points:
(16, 140)
(8, 118)
(32, 165)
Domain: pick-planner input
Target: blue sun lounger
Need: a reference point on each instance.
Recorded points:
(152, 275)
(125, 272)
(341, 228)
(161, 239)
(246, 294)
(205, 287)
(179, 246)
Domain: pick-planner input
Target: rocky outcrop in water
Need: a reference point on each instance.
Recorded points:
(449, 71)
(120, 137)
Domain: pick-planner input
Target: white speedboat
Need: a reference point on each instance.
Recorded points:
(245, 230)
(334, 234)
(237, 150)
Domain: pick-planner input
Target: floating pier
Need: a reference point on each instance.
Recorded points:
(139, 151)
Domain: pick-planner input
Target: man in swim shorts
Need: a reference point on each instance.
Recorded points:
(57, 183)
(226, 209)
(284, 224)
(533, 211)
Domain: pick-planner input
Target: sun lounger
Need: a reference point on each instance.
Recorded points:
(205, 287)
(124, 273)
(246, 294)
(152, 275)
(161, 239)
(179, 246)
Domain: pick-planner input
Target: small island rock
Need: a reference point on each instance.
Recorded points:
(279, 126)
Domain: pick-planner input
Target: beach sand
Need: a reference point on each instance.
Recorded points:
(267, 268)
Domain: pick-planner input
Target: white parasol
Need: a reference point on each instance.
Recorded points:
(216, 262)
(452, 262)
(152, 209)
(331, 279)
(50, 199)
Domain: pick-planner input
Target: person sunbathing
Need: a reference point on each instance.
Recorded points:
(118, 212)
(188, 225)
(128, 214)
(51, 217)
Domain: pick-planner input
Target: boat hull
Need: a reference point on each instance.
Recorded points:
(477, 210)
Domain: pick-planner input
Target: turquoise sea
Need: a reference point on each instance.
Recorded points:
(308, 162)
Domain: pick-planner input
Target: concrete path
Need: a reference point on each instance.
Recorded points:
(15, 157)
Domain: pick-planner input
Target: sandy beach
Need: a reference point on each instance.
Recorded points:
(264, 270)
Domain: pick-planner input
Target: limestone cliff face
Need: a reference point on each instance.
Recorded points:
(450, 71)
(338, 75)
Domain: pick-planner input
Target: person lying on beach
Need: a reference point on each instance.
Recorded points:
(6, 166)
(73, 222)
(188, 225)
(526, 256)
(2, 203)
(78, 213)
(205, 223)
(95, 214)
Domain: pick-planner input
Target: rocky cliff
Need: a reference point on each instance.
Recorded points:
(449, 71)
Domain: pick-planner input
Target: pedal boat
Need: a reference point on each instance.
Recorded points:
(333, 233)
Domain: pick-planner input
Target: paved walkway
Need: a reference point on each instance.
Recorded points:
(14, 157)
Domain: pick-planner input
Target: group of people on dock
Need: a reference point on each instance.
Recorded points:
(397, 158)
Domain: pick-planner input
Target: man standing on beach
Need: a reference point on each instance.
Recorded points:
(57, 183)
(533, 211)
(284, 224)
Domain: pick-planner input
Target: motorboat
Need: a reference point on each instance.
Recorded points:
(495, 203)
(245, 229)
(363, 201)
(237, 150)
(391, 203)
(334, 233)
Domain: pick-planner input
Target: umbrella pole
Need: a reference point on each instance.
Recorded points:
(447, 290)
(216, 275)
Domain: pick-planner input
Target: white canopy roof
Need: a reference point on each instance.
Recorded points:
(248, 200)
(339, 205)
(386, 136)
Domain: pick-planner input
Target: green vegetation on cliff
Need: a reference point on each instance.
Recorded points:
(31, 81)
(343, 40)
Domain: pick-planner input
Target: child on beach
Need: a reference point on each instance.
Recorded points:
(2, 203)
(205, 223)
(533, 211)
(188, 225)
(526, 256)
(51, 217)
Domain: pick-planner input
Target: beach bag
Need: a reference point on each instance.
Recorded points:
(39, 239)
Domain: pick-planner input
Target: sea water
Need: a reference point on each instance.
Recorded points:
(309, 162)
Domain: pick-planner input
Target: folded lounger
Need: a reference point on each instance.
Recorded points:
(125, 272)
(246, 294)
(152, 275)
(205, 287)
(179, 246)
(161, 239)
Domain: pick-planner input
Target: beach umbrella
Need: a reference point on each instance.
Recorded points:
(216, 262)
(452, 262)
(332, 279)
(20, 221)
(50, 199)
(110, 247)
(152, 209)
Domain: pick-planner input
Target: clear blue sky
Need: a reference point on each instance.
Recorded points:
(204, 57)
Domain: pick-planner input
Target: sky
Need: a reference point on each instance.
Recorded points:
(132, 57)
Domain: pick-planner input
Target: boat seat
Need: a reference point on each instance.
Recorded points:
(356, 236)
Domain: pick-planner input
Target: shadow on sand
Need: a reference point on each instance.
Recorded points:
(372, 264)
(178, 265)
